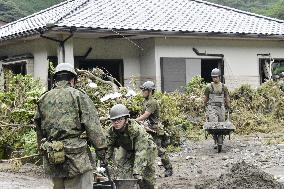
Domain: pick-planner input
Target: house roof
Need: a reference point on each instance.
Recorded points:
(182, 16)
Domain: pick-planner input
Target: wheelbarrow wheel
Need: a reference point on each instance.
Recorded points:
(219, 143)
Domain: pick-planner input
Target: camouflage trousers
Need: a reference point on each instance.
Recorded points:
(125, 161)
(82, 181)
(162, 152)
(216, 113)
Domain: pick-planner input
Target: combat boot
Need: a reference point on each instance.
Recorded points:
(168, 172)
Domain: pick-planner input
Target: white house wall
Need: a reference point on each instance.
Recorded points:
(102, 49)
(147, 60)
(111, 49)
(240, 56)
(39, 48)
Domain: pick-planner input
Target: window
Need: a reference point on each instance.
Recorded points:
(277, 66)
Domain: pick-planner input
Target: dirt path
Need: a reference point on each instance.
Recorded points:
(197, 162)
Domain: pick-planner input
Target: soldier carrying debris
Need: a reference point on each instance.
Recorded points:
(63, 114)
(150, 119)
(216, 99)
(138, 150)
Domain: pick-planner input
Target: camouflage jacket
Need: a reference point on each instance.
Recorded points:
(135, 141)
(63, 114)
(151, 105)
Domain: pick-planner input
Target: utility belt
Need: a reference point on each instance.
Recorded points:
(56, 151)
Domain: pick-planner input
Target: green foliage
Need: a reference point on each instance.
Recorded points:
(254, 110)
(11, 10)
(18, 103)
(257, 110)
(276, 10)
(272, 8)
(29, 142)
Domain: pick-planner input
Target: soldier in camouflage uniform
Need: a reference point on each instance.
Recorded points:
(138, 148)
(216, 99)
(150, 118)
(280, 81)
(63, 114)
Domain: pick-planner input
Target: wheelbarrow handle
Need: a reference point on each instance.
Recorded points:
(113, 186)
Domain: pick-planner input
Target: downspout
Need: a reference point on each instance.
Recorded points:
(208, 54)
(61, 42)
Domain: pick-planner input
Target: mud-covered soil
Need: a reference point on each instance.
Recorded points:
(28, 177)
(198, 165)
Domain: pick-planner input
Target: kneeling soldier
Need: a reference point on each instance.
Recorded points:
(138, 149)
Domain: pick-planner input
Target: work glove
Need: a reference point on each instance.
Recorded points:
(138, 177)
(104, 164)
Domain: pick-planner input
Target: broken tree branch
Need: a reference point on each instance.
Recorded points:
(92, 76)
(4, 124)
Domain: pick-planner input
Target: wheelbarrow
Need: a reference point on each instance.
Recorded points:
(116, 183)
(219, 130)
(119, 183)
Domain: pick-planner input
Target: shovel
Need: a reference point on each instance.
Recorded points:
(113, 186)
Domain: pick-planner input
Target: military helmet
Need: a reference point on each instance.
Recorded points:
(118, 111)
(215, 72)
(148, 85)
(65, 67)
(281, 74)
(276, 76)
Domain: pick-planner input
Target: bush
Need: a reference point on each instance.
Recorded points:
(18, 104)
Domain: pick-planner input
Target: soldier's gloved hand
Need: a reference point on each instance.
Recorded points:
(101, 155)
(138, 177)
(104, 164)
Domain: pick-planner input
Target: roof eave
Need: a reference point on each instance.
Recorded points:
(159, 33)
(35, 33)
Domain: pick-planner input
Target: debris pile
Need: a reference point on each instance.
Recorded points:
(242, 176)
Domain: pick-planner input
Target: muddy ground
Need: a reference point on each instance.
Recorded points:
(196, 164)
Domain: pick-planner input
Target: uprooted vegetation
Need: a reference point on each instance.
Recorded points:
(254, 110)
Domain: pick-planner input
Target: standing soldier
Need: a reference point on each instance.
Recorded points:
(138, 148)
(63, 114)
(216, 98)
(280, 81)
(150, 119)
